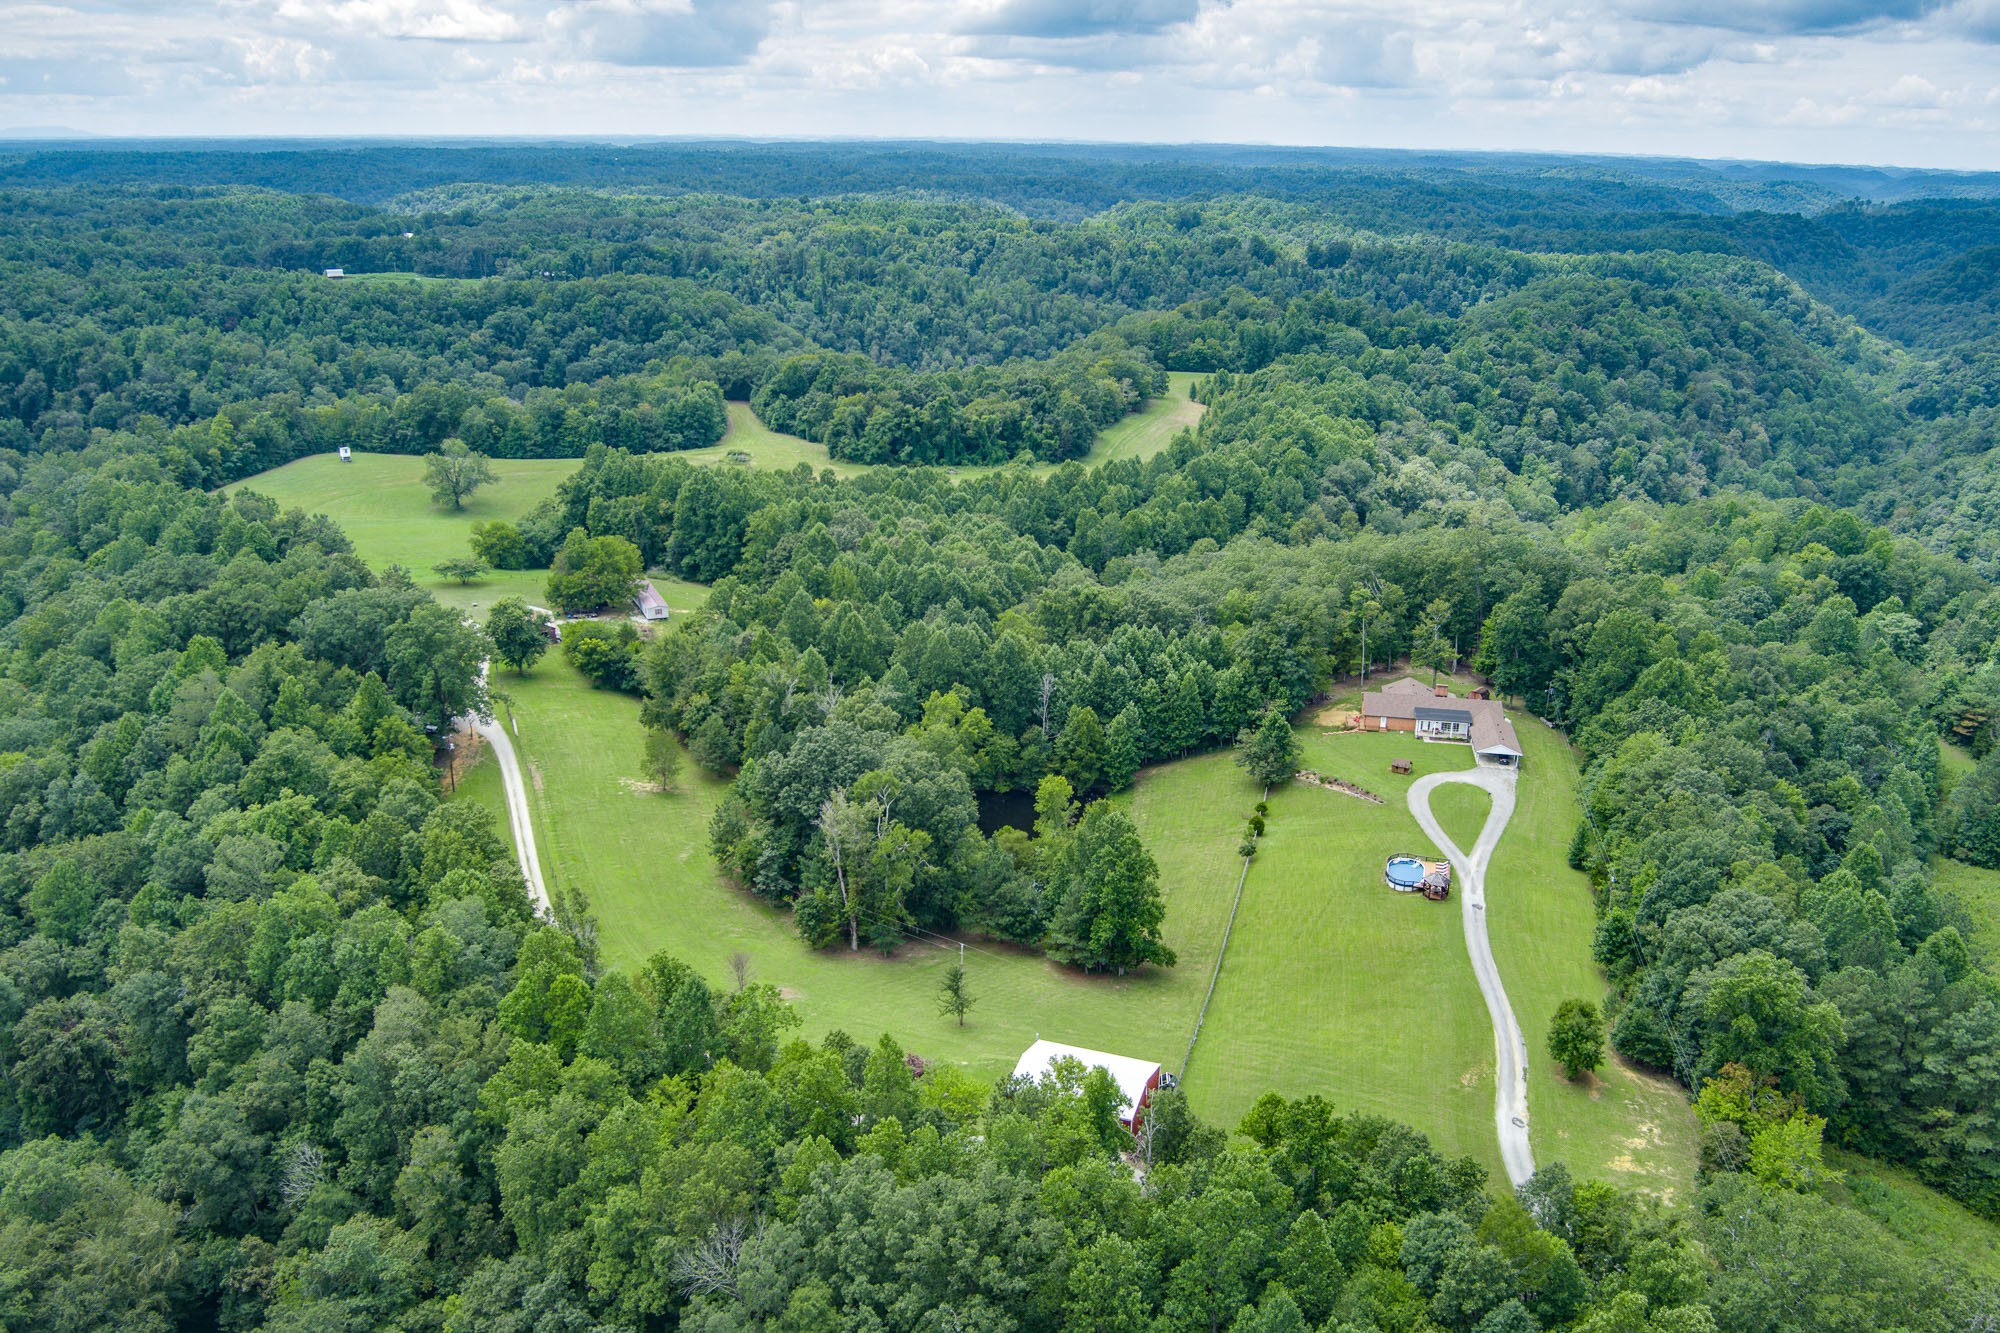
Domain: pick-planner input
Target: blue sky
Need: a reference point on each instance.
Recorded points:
(1915, 82)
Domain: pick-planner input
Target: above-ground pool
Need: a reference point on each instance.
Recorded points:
(1405, 871)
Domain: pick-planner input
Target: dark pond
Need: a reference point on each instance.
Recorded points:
(1006, 809)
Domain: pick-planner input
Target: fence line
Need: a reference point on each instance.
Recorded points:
(1216, 975)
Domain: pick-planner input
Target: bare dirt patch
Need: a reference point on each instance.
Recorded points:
(535, 775)
(467, 749)
(636, 787)
(1335, 715)
(787, 993)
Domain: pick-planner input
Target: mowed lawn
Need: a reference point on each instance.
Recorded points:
(1337, 985)
(643, 861)
(1619, 1125)
(1461, 810)
(1153, 427)
(767, 448)
(381, 503)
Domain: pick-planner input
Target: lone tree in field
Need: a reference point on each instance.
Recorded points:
(1576, 1037)
(519, 634)
(454, 472)
(663, 759)
(1269, 751)
(954, 996)
(459, 569)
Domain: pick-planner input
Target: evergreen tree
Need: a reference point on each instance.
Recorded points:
(1080, 749)
(1269, 752)
(1124, 748)
(1110, 908)
(1182, 720)
(954, 995)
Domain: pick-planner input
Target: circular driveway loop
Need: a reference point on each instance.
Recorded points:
(1510, 1092)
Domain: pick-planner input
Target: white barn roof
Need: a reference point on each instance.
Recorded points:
(1132, 1075)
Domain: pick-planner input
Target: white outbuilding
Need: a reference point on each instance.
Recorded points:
(1135, 1078)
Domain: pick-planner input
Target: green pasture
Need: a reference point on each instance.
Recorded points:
(768, 448)
(1337, 985)
(380, 502)
(642, 859)
(1333, 983)
(1140, 435)
(1154, 426)
(1977, 890)
(1916, 1217)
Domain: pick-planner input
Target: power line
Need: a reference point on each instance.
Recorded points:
(922, 936)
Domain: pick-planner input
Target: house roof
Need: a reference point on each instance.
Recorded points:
(1128, 1072)
(1492, 733)
(648, 597)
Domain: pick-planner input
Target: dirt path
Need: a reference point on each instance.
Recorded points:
(1510, 1093)
(518, 815)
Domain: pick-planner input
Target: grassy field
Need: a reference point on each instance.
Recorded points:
(1334, 984)
(1299, 1007)
(642, 857)
(767, 448)
(1618, 1124)
(1977, 890)
(379, 500)
(1974, 888)
(1140, 435)
(1379, 1007)
(1154, 426)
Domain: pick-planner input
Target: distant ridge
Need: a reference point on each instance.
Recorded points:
(23, 133)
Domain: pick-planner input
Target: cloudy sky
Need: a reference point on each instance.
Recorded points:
(1915, 82)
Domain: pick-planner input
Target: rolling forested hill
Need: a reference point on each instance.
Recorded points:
(1696, 464)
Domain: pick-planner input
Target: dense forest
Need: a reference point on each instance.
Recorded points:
(284, 1045)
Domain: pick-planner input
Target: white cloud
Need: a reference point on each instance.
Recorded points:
(663, 33)
(428, 20)
(1819, 79)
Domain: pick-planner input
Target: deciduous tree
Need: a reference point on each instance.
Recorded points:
(454, 472)
(1576, 1037)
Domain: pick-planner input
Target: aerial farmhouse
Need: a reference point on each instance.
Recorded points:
(1434, 713)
